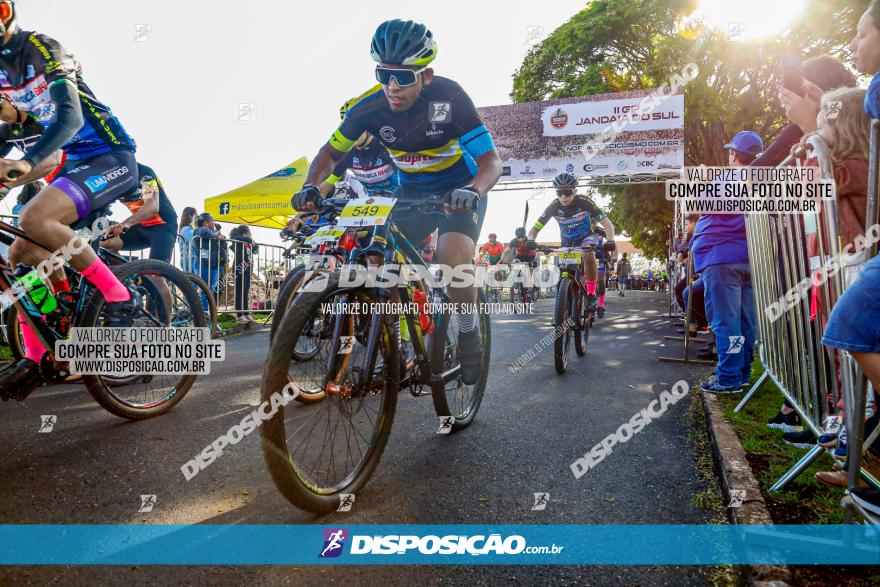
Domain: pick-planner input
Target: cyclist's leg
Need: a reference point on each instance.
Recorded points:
(47, 219)
(600, 289)
(160, 240)
(455, 247)
(80, 188)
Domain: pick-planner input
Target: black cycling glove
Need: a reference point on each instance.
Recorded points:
(309, 194)
(463, 198)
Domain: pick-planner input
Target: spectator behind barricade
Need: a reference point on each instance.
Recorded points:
(698, 307)
(243, 249)
(865, 48)
(721, 257)
(624, 268)
(206, 253)
(844, 126)
(185, 230)
(821, 74)
(852, 327)
(223, 262)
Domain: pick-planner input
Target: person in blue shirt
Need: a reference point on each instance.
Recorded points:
(865, 48)
(721, 257)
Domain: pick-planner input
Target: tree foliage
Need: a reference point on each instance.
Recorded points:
(617, 45)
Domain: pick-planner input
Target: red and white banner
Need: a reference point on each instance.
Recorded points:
(594, 117)
(628, 133)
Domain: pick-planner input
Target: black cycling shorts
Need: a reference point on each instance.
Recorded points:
(98, 181)
(418, 226)
(160, 239)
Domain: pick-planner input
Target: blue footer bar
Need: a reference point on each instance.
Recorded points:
(205, 544)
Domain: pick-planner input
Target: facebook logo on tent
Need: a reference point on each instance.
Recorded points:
(224, 208)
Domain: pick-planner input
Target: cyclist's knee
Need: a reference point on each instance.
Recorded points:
(34, 221)
(19, 251)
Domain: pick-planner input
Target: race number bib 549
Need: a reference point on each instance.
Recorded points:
(366, 212)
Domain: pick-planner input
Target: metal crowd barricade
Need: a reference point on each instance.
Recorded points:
(682, 271)
(810, 376)
(856, 397)
(214, 260)
(674, 267)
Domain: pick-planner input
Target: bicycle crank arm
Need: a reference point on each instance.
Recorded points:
(446, 376)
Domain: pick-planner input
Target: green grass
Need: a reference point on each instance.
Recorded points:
(804, 500)
(5, 353)
(226, 320)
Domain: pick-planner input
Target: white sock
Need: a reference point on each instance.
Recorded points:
(467, 321)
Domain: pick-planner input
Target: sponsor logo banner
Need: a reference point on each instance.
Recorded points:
(538, 139)
(586, 118)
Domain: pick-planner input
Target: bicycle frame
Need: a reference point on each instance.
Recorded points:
(26, 308)
(389, 241)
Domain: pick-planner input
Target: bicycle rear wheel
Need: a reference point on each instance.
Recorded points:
(13, 334)
(581, 324)
(146, 396)
(319, 452)
(452, 397)
(562, 323)
(201, 287)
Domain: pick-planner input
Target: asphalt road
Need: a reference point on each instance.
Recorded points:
(93, 467)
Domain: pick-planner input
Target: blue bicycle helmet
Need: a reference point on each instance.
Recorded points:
(403, 42)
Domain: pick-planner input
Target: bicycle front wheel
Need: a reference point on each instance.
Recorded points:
(308, 343)
(161, 291)
(319, 452)
(562, 322)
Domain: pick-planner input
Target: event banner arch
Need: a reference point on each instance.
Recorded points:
(640, 132)
(264, 202)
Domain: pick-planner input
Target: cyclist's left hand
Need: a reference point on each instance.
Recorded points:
(16, 168)
(465, 198)
(113, 231)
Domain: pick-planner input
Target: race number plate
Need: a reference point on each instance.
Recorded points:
(366, 212)
(570, 256)
(328, 234)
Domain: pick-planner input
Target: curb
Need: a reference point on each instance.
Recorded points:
(735, 473)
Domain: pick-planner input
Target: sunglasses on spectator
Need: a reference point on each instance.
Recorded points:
(404, 77)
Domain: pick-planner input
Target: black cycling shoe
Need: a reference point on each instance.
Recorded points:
(121, 314)
(592, 303)
(19, 381)
(470, 349)
(600, 312)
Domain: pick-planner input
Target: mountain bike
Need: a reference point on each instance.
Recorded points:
(493, 291)
(180, 318)
(319, 453)
(519, 292)
(572, 316)
(160, 291)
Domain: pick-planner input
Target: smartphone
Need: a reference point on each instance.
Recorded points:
(792, 74)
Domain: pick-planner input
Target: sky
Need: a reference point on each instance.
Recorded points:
(176, 72)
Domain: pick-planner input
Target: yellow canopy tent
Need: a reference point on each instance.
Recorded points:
(264, 202)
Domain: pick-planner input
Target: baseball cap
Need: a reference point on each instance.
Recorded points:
(745, 141)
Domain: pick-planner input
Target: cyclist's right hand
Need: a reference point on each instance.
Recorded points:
(306, 198)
